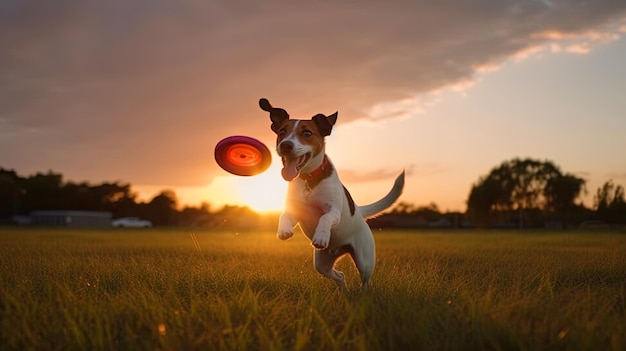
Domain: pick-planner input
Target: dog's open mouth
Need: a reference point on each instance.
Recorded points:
(293, 165)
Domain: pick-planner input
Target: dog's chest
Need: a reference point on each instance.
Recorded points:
(307, 206)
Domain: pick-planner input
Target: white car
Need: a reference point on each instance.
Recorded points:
(131, 222)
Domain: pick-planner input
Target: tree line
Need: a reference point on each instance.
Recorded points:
(523, 193)
(531, 192)
(19, 196)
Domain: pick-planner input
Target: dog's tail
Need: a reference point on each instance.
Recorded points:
(374, 209)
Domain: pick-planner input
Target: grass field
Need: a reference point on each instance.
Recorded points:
(64, 289)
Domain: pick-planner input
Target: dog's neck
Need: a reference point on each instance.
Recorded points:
(316, 172)
(323, 171)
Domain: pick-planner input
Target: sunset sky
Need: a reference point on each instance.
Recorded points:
(141, 91)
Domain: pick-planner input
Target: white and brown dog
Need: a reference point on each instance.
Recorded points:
(318, 202)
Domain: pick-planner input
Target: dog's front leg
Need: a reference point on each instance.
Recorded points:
(286, 224)
(321, 238)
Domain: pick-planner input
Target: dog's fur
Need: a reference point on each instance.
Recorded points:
(318, 202)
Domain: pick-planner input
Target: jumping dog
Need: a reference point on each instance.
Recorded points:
(318, 202)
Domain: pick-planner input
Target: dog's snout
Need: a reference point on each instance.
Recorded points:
(285, 147)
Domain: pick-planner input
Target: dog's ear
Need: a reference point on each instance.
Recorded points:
(325, 124)
(265, 105)
(277, 115)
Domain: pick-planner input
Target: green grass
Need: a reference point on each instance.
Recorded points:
(66, 289)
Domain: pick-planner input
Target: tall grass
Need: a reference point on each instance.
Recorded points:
(66, 289)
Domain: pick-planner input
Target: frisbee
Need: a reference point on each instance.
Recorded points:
(242, 155)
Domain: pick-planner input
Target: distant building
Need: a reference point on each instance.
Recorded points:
(83, 219)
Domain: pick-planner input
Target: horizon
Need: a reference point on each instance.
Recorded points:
(211, 208)
(142, 94)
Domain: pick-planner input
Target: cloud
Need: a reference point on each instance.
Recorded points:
(578, 49)
(143, 90)
(351, 176)
(422, 170)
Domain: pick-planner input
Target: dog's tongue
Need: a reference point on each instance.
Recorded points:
(290, 168)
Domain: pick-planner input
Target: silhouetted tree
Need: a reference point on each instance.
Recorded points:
(407, 214)
(520, 190)
(195, 216)
(561, 193)
(429, 212)
(487, 200)
(610, 204)
(11, 193)
(107, 194)
(126, 206)
(161, 210)
(403, 207)
(47, 191)
(101, 197)
(236, 217)
(530, 179)
(42, 192)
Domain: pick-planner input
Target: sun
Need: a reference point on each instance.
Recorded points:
(264, 192)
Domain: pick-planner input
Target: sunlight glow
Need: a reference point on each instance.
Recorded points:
(264, 192)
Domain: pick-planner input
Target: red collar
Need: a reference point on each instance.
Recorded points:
(316, 172)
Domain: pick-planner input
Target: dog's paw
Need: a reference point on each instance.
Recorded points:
(284, 234)
(320, 240)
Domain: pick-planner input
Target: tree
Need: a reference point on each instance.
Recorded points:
(47, 191)
(530, 178)
(161, 210)
(11, 193)
(195, 216)
(429, 212)
(237, 217)
(561, 193)
(610, 204)
(488, 198)
(42, 192)
(403, 207)
(422, 215)
(126, 206)
(521, 190)
(85, 197)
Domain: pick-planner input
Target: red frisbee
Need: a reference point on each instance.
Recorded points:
(242, 155)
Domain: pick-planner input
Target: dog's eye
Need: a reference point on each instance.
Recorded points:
(282, 133)
(307, 133)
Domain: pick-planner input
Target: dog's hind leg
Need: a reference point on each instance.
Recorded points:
(364, 256)
(325, 262)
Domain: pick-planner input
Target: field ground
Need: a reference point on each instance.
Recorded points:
(154, 289)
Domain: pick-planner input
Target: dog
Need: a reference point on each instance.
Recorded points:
(318, 202)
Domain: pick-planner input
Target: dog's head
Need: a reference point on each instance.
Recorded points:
(300, 143)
